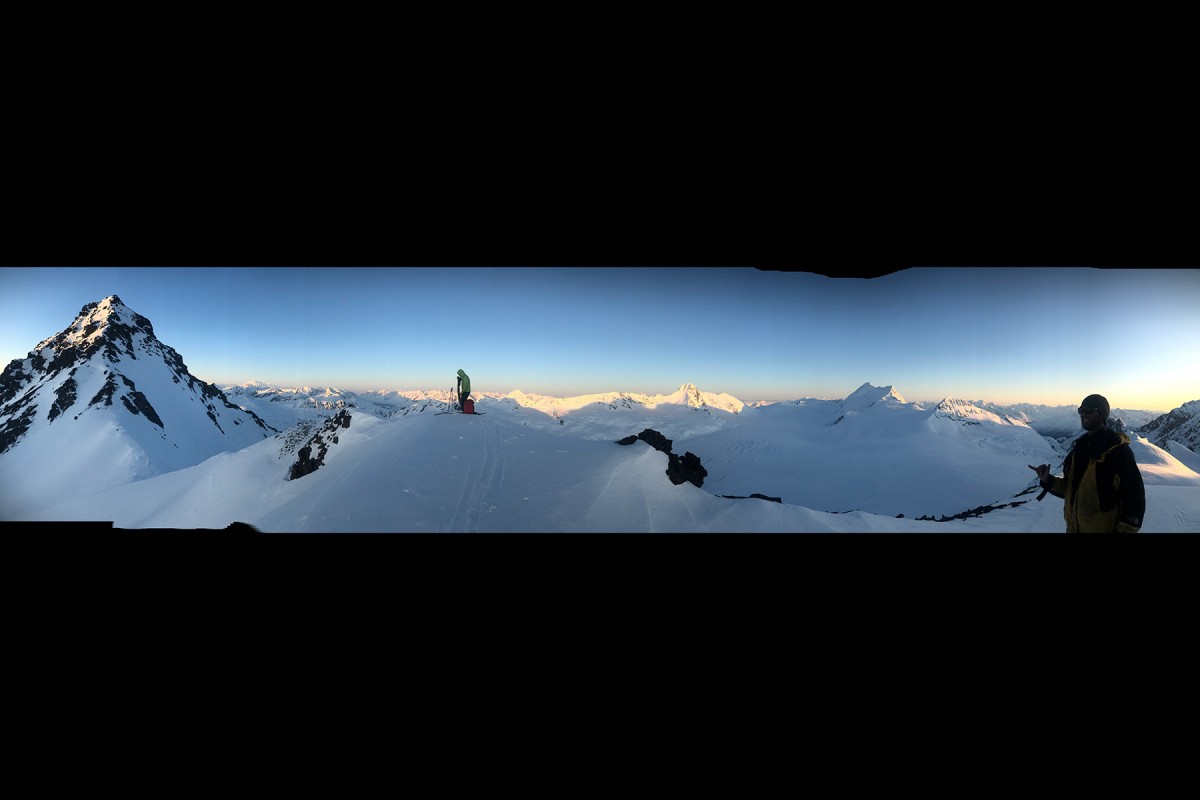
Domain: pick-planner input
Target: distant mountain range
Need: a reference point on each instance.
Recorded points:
(279, 404)
(1062, 421)
(1054, 421)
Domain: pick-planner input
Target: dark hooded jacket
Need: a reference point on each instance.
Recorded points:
(1102, 485)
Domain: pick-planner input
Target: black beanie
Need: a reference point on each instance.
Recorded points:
(1096, 401)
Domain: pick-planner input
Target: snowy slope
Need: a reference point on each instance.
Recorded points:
(436, 474)
(874, 452)
(1185, 456)
(1159, 466)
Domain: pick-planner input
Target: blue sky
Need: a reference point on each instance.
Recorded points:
(1037, 335)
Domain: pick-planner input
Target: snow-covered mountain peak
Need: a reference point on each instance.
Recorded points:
(688, 394)
(867, 395)
(956, 405)
(110, 307)
(965, 411)
(108, 326)
(105, 385)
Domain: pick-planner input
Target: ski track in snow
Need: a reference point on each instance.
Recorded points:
(481, 486)
(482, 478)
(1168, 509)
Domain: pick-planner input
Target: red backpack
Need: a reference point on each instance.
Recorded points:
(468, 406)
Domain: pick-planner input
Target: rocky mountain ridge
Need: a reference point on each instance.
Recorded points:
(107, 375)
(1181, 425)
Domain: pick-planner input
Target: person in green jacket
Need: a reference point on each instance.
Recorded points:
(1102, 488)
(464, 387)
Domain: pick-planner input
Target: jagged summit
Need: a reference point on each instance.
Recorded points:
(952, 405)
(690, 395)
(110, 337)
(864, 397)
(686, 394)
(868, 394)
(106, 385)
(108, 327)
(966, 411)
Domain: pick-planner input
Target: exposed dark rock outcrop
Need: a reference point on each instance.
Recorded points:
(652, 438)
(687, 468)
(305, 463)
(679, 469)
(137, 403)
(974, 512)
(297, 436)
(13, 380)
(105, 395)
(13, 428)
(64, 398)
(752, 496)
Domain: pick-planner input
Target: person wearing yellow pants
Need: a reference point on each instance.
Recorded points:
(1102, 487)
